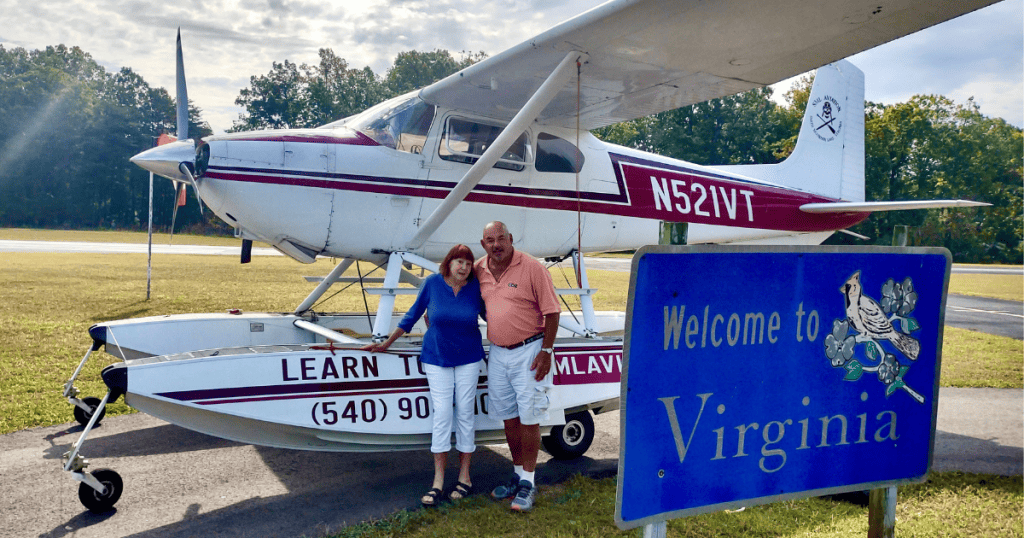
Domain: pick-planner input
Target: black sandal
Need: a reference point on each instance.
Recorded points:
(430, 499)
(462, 490)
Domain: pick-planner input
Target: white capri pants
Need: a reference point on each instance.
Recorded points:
(448, 383)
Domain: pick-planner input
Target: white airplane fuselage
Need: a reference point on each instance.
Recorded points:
(337, 192)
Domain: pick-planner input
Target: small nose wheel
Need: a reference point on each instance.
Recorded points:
(83, 417)
(101, 501)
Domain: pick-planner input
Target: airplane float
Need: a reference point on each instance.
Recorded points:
(505, 139)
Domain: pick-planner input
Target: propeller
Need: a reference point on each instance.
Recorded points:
(178, 201)
(182, 124)
(176, 160)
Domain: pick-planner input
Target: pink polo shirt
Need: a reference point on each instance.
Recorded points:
(517, 304)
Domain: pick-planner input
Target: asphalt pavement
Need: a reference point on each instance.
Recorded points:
(992, 316)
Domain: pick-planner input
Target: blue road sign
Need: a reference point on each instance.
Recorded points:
(757, 374)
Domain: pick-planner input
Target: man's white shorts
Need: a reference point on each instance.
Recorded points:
(512, 390)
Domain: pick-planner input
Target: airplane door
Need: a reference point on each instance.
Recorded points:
(458, 145)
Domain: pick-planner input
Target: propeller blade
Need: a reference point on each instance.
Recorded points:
(174, 212)
(195, 185)
(182, 95)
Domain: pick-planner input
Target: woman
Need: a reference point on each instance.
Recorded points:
(452, 351)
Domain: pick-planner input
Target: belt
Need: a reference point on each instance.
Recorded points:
(533, 338)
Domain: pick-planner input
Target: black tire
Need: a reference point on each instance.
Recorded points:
(83, 416)
(98, 502)
(571, 440)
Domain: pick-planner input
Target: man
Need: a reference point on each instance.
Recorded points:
(522, 319)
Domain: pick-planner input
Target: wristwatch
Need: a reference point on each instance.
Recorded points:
(549, 350)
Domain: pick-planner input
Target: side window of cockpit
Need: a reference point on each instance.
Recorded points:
(404, 128)
(464, 141)
(556, 154)
(414, 122)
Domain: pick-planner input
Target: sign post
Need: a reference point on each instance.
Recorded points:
(149, 247)
(758, 374)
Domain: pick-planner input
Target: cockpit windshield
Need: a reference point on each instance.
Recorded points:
(400, 123)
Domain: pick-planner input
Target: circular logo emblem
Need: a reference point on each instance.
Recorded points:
(824, 117)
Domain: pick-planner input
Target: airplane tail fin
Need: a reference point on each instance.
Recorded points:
(829, 154)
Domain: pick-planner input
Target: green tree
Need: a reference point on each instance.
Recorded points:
(67, 130)
(930, 147)
(272, 101)
(744, 128)
(413, 70)
(303, 96)
(333, 91)
(791, 116)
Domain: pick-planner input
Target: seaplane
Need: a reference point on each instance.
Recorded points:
(505, 139)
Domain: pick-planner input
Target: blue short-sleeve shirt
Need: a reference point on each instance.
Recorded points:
(453, 338)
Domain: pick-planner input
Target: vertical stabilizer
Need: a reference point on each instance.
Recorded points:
(829, 154)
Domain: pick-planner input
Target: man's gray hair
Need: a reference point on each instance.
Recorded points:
(502, 228)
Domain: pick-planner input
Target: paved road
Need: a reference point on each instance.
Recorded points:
(992, 316)
(128, 248)
(179, 483)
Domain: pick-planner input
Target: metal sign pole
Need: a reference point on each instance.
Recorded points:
(882, 513)
(656, 530)
(149, 263)
(882, 501)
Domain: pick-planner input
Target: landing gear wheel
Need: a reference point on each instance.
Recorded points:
(98, 502)
(83, 416)
(571, 440)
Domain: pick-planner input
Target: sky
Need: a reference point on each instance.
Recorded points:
(227, 41)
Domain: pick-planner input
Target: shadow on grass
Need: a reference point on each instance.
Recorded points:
(125, 313)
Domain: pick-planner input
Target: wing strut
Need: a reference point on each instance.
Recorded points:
(526, 115)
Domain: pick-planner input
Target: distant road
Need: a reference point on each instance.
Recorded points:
(128, 248)
(992, 316)
(604, 264)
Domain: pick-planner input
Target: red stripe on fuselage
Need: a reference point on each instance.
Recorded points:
(349, 138)
(647, 189)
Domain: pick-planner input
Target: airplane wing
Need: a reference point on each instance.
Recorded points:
(869, 207)
(649, 56)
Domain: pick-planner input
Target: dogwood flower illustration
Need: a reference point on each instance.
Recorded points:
(838, 346)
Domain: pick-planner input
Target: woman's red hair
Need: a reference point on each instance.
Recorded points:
(457, 252)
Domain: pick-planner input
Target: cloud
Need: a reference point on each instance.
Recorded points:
(228, 41)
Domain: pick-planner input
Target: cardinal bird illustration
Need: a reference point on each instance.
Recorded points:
(867, 318)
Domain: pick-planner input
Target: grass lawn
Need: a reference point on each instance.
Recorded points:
(947, 504)
(1006, 287)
